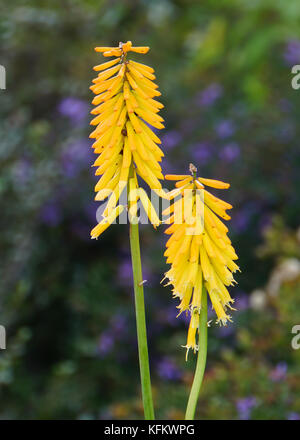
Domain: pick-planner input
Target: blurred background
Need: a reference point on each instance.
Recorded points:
(224, 70)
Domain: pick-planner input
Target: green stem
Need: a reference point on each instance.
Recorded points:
(201, 361)
(141, 321)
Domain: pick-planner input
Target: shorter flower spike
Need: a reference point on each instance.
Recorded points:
(199, 250)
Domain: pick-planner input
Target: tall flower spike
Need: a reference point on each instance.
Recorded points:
(199, 250)
(127, 147)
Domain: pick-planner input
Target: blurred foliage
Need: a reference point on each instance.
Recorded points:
(224, 71)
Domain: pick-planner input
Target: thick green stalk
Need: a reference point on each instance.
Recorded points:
(141, 322)
(201, 361)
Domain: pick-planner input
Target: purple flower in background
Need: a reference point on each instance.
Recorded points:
(106, 343)
(265, 221)
(201, 152)
(117, 329)
(291, 53)
(167, 316)
(278, 373)
(286, 131)
(22, 171)
(225, 330)
(293, 416)
(73, 108)
(184, 317)
(168, 370)
(125, 273)
(244, 407)
(241, 301)
(81, 230)
(210, 311)
(106, 414)
(119, 325)
(225, 128)
(188, 125)
(209, 96)
(285, 105)
(171, 139)
(90, 210)
(230, 152)
(76, 156)
(241, 219)
(51, 214)
(167, 167)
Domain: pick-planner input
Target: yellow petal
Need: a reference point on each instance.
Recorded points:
(106, 65)
(214, 183)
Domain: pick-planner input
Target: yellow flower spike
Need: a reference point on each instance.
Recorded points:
(199, 250)
(128, 151)
(126, 145)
